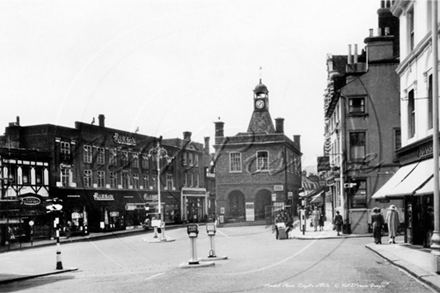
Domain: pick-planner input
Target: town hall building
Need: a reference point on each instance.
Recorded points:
(257, 170)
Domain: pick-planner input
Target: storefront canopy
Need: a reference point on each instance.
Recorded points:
(412, 179)
(395, 180)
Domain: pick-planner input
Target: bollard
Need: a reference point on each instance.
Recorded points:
(210, 228)
(193, 231)
(303, 223)
(57, 233)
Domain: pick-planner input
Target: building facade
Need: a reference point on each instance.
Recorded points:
(24, 195)
(257, 169)
(363, 123)
(413, 183)
(111, 179)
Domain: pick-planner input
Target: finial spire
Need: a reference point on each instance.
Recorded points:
(261, 69)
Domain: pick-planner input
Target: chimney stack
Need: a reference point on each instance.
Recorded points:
(101, 119)
(279, 125)
(207, 144)
(355, 53)
(219, 133)
(349, 55)
(187, 135)
(297, 140)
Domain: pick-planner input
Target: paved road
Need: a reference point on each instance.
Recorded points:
(256, 263)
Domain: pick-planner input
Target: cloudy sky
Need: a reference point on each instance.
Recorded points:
(174, 66)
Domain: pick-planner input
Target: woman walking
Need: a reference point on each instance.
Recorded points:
(315, 218)
(338, 222)
(377, 221)
(393, 223)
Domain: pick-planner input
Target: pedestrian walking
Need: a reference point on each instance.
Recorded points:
(322, 219)
(429, 227)
(337, 222)
(315, 218)
(377, 221)
(393, 223)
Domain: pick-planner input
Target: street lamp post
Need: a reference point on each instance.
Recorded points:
(159, 152)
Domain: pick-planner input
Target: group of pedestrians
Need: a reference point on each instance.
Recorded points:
(378, 222)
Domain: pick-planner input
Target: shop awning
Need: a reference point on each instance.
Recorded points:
(416, 182)
(415, 179)
(317, 198)
(395, 180)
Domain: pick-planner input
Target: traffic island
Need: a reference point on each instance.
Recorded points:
(198, 264)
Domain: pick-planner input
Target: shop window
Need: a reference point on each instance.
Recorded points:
(170, 182)
(135, 162)
(410, 19)
(125, 180)
(65, 151)
(113, 180)
(145, 162)
(146, 181)
(87, 178)
(87, 154)
(358, 194)
(190, 159)
(430, 101)
(26, 175)
(262, 161)
(357, 145)
(100, 159)
(235, 162)
(411, 114)
(113, 160)
(154, 179)
(356, 105)
(135, 181)
(124, 158)
(397, 139)
(197, 182)
(65, 177)
(185, 159)
(101, 179)
(39, 175)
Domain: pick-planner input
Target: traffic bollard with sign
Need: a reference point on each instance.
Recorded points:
(211, 230)
(193, 231)
(302, 220)
(31, 224)
(57, 231)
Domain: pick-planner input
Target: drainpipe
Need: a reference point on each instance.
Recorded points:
(342, 143)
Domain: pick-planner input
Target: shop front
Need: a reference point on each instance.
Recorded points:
(101, 210)
(412, 187)
(194, 204)
(24, 219)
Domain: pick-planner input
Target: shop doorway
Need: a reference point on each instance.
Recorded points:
(262, 200)
(236, 206)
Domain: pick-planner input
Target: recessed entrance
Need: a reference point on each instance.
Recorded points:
(262, 199)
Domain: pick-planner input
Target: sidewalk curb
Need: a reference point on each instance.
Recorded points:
(26, 277)
(418, 273)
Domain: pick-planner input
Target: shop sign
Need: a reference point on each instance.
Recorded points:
(10, 221)
(323, 164)
(73, 195)
(290, 195)
(114, 214)
(130, 207)
(278, 187)
(122, 139)
(29, 200)
(103, 196)
(148, 197)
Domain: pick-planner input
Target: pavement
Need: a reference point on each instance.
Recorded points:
(414, 259)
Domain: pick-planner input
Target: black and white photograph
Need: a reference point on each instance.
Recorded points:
(200, 146)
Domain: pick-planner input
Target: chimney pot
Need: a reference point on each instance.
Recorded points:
(187, 135)
(101, 119)
(349, 55)
(279, 125)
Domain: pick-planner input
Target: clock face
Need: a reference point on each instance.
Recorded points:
(259, 104)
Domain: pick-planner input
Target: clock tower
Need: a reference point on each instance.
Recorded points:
(261, 122)
(261, 101)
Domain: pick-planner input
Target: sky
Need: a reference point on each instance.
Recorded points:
(166, 67)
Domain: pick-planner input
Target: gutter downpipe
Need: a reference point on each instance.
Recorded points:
(344, 200)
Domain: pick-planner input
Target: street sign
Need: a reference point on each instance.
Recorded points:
(31, 223)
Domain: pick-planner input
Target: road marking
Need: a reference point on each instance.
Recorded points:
(223, 233)
(154, 276)
(267, 267)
